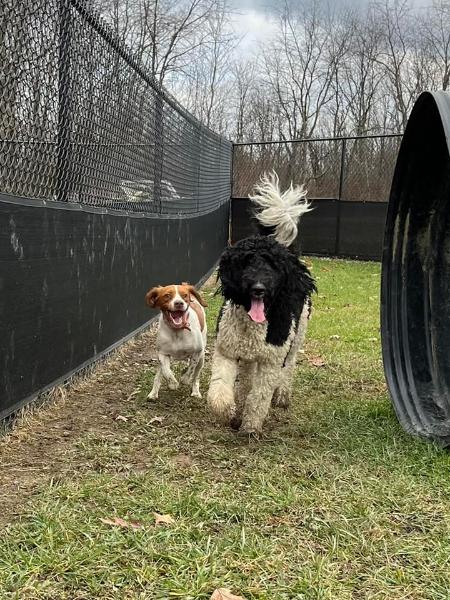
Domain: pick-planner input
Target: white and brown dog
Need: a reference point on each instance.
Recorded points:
(181, 334)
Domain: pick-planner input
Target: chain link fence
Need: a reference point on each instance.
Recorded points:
(354, 169)
(80, 121)
(348, 181)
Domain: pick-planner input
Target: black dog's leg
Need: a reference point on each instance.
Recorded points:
(221, 388)
(244, 385)
(257, 404)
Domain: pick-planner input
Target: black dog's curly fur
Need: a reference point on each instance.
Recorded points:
(287, 280)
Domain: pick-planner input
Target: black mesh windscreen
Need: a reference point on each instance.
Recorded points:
(81, 122)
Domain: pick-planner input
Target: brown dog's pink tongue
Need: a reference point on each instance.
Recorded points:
(256, 311)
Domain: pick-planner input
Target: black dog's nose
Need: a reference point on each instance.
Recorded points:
(258, 290)
(179, 304)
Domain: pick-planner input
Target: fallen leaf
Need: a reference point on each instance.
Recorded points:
(335, 337)
(156, 420)
(225, 594)
(316, 361)
(121, 418)
(118, 522)
(133, 394)
(163, 519)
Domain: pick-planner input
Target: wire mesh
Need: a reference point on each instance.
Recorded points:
(80, 121)
(353, 169)
(369, 165)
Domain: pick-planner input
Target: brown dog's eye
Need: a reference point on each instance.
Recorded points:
(167, 297)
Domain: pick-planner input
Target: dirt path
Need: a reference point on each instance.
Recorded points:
(42, 444)
(103, 423)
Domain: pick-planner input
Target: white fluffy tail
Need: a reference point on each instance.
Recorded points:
(281, 211)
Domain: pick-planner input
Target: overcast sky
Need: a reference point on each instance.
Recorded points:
(254, 19)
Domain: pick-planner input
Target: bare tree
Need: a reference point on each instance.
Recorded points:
(336, 118)
(244, 84)
(300, 66)
(361, 74)
(206, 84)
(325, 71)
(400, 56)
(435, 28)
(164, 34)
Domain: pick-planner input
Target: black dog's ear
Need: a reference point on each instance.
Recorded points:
(219, 318)
(297, 287)
(230, 273)
(225, 272)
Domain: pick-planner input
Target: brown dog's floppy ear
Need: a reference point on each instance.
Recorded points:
(151, 296)
(194, 292)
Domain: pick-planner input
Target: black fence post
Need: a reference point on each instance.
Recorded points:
(158, 148)
(63, 158)
(339, 200)
(230, 213)
(198, 139)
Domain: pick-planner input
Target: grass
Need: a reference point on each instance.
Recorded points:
(335, 502)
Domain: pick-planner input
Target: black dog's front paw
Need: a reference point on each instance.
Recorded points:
(281, 398)
(235, 422)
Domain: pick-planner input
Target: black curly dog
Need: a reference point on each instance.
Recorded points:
(262, 325)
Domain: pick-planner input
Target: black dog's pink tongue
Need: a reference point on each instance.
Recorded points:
(256, 311)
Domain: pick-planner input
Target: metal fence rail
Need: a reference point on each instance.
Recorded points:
(80, 121)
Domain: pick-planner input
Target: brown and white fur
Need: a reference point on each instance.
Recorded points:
(181, 334)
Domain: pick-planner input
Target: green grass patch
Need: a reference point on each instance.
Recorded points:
(334, 502)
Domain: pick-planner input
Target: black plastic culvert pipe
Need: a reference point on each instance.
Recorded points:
(415, 289)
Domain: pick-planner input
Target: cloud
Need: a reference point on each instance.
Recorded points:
(253, 26)
(256, 5)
